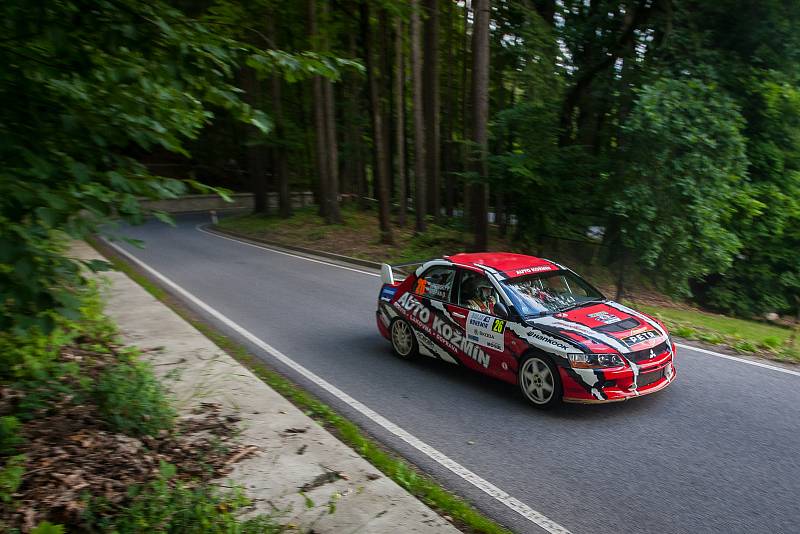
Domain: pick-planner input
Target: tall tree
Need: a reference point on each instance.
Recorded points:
(480, 119)
(378, 141)
(419, 124)
(431, 106)
(332, 213)
(255, 149)
(320, 124)
(399, 114)
(449, 111)
(281, 171)
(279, 159)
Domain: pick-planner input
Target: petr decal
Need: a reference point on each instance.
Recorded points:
(486, 330)
(638, 338)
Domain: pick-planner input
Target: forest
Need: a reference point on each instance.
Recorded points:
(669, 128)
(661, 136)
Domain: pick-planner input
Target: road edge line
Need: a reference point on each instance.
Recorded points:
(231, 236)
(440, 458)
(737, 359)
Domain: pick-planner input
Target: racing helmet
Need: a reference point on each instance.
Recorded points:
(483, 289)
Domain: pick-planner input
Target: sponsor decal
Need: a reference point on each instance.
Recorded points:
(530, 270)
(420, 286)
(638, 338)
(439, 291)
(486, 330)
(533, 334)
(387, 293)
(604, 317)
(433, 326)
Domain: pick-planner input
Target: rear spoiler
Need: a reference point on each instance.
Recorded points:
(387, 271)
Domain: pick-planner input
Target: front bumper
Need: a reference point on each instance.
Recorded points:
(618, 384)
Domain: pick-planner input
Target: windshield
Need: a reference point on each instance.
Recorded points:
(551, 292)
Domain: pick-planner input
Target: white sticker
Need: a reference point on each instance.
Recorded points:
(486, 330)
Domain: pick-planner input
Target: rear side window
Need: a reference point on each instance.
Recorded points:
(436, 283)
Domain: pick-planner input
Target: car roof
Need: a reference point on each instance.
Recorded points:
(506, 263)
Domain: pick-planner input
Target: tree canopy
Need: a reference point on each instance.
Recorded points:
(673, 126)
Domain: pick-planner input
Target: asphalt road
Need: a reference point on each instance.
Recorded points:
(718, 451)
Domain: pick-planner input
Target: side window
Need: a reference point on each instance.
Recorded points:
(436, 283)
(476, 292)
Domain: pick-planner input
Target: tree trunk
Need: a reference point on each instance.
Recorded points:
(332, 213)
(255, 151)
(447, 142)
(280, 170)
(320, 126)
(281, 173)
(431, 106)
(623, 261)
(399, 114)
(480, 118)
(419, 126)
(379, 147)
(384, 69)
(464, 152)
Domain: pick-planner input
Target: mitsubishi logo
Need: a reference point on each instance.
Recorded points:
(652, 354)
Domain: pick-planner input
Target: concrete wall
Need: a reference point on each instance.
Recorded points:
(243, 201)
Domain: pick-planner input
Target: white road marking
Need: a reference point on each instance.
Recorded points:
(696, 349)
(487, 487)
(740, 360)
(200, 228)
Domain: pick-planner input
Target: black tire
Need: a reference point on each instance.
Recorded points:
(536, 373)
(398, 330)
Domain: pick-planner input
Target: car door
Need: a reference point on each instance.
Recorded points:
(485, 341)
(426, 311)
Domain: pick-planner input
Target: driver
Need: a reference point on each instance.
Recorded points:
(483, 299)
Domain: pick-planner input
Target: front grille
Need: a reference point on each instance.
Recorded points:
(645, 379)
(642, 355)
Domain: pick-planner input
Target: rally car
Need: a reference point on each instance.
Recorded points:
(528, 321)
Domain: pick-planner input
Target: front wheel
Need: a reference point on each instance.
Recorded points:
(404, 343)
(539, 381)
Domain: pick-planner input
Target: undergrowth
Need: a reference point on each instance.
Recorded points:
(81, 362)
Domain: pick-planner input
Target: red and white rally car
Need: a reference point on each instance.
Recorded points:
(528, 321)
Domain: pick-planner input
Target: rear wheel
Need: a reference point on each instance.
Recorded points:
(539, 381)
(404, 344)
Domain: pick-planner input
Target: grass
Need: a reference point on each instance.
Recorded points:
(402, 472)
(742, 335)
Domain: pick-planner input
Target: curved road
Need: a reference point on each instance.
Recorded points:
(718, 451)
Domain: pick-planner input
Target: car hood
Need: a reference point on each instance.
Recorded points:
(605, 325)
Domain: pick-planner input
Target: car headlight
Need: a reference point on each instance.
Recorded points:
(594, 361)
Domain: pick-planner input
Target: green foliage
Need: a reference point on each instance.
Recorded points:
(84, 92)
(170, 506)
(46, 527)
(682, 181)
(10, 440)
(11, 477)
(132, 400)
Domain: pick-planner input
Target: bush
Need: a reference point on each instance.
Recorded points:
(11, 477)
(131, 400)
(9, 435)
(167, 505)
(771, 342)
(745, 346)
(684, 332)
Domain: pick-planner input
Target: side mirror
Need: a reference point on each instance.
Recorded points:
(500, 310)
